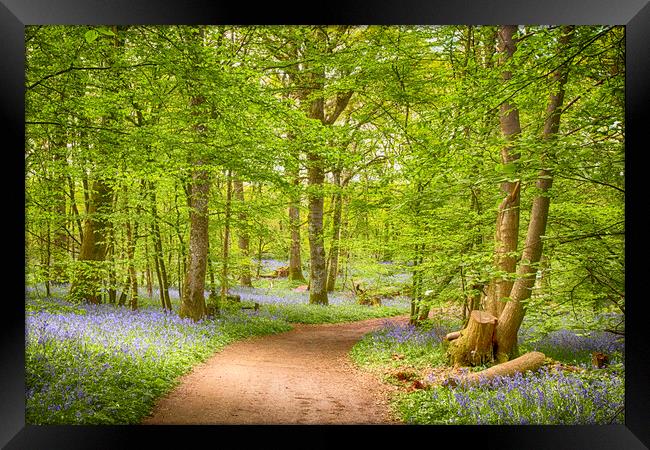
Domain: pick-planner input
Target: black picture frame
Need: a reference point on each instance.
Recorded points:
(15, 14)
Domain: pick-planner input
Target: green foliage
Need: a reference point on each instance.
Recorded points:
(313, 314)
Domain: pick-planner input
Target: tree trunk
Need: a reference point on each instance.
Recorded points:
(474, 346)
(213, 297)
(333, 260)
(130, 253)
(56, 266)
(75, 211)
(147, 271)
(417, 297)
(317, 77)
(507, 227)
(243, 241)
(425, 308)
(295, 261)
(318, 270)
(193, 298)
(159, 256)
(93, 249)
(226, 238)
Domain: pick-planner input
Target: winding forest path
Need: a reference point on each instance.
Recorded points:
(303, 376)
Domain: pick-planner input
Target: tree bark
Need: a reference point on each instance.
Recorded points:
(507, 227)
(512, 312)
(316, 173)
(243, 241)
(193, 298)
(94, 245)
(130, 254)
(474, 345)
(226, 238)
(318, 270)
(159, 256)
(295, 261)
(333, 260)
(524, 363)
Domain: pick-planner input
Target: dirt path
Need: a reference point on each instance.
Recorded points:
(303, 376)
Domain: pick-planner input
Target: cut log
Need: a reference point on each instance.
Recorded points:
(528, 361)
(282, 272)
(474, 345)
(453, 335)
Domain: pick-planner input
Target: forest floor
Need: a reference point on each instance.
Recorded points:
(303, 376)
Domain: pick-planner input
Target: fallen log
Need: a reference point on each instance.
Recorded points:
(528, 361)
(453, 335)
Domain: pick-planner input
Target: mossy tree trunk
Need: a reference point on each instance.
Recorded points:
(88, 279)
(193, 298)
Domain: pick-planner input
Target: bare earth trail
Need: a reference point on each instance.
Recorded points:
(303, 376)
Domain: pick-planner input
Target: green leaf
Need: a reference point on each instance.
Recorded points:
(106, 32)
(91, 35)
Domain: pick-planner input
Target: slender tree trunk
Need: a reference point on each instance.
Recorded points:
(56, 269)
(333, 260)
(156, 266)
(214, 298)
(226, 238)
(159, 256)
(423, 311)
(243, 241)
(112, 277)
(130, 253)
(416, 300)
(316, 178)
(147, 271)
(75, 210)
(295, 261)
(260, 248)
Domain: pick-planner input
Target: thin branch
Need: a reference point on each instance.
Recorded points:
(71, 68)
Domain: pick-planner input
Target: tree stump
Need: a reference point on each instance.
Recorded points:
(474, 345)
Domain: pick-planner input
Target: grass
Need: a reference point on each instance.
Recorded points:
(552, 395)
